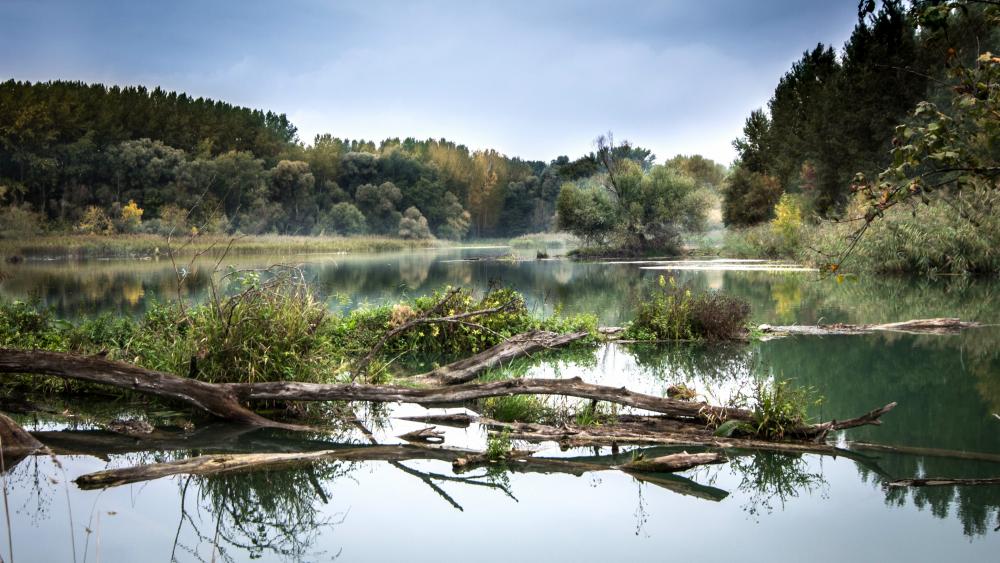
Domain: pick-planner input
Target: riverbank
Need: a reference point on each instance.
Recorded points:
(149, 246)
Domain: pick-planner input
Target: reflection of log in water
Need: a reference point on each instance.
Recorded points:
(217, 464)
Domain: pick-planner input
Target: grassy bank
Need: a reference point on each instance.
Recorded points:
(141, 246)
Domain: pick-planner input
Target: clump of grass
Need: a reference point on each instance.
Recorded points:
(674, 312)
(499, 446)
(778, 407)
(517, 408)
(272, 328)
(141, 245)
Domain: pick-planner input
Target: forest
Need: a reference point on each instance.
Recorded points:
(905, 113)
(99, 159)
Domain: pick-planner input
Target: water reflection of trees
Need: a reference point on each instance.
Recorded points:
(977, 508)
(274, 512)
(769, 480)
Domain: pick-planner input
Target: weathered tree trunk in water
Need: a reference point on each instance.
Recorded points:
(214, 399)
(224, 399)
(514, 347)
(673, 462)
(918, 326)
(14, 440)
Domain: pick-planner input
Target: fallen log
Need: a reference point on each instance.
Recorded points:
(456, 420)
(673, 462)
(428, 435)
(918, 326)
(214, 399)
(224, 399)
(14, 440)
(940, 482)
(517, 346)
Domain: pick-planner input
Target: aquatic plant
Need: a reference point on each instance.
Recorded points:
(674, 312)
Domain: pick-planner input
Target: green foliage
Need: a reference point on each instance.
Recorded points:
(673, 312)
(18, 221)
(413, 225)
(946, 153)
(635, 207)
(517, 408)
(836, 111)
(779, 407)
(499, 446)
(748, 197)
(342, 219)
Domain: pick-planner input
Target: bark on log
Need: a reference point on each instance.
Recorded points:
(517, 346)
(14, 440)
(939, 482)
(214, 399)
(917, 326)
(224, 399)
(673, 462)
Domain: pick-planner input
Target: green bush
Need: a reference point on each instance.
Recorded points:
(673, 312)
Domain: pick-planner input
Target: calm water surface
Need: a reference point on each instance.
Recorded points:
(757, 507)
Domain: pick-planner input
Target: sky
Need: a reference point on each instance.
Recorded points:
(535, 79)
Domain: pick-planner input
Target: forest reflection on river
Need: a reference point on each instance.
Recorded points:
(784, 506)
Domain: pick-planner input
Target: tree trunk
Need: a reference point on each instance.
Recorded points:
(214, 399)
(516, 346)
(673, 462)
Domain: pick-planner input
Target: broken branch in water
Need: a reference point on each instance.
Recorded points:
(917, 326)
(224, 399)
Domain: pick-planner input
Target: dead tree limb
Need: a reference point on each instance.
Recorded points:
(917, 326)
(429, 318)
(14, 440)
(673, 462)
(517, 346)
(214, 399)
(224, 399)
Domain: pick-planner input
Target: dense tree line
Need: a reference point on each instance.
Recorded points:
(833, 115)
(91, 158)
(75, 156)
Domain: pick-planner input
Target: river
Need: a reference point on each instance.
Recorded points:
(754, 508)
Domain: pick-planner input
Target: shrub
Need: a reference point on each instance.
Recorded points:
(20, 221)
(413, 225)
(673, 312)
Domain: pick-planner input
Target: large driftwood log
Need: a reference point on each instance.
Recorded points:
(214, 399)
(673, 462)
(917, 326)
(224, 399)
(517, 346)
(14, 440)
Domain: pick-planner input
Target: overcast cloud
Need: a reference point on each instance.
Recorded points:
(534, 79)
